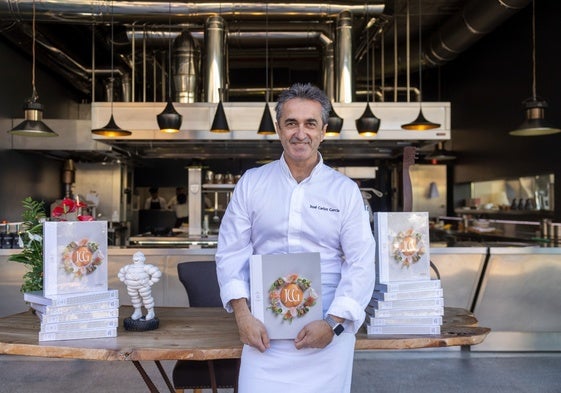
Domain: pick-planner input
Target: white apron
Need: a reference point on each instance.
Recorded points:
(282, 368)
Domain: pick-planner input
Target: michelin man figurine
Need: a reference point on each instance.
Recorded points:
(139, 278)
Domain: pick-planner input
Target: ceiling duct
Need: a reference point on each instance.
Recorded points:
(186, 55)
(215, 54)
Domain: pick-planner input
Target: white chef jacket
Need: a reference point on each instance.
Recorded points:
(271, 213)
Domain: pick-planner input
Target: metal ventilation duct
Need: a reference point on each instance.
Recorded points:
(186, 63)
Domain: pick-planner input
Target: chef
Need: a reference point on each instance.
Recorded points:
(298, 204)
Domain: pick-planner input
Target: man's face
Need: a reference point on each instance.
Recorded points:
(301, 130)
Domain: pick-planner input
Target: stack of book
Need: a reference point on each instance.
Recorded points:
(405, 299)
(76, 316)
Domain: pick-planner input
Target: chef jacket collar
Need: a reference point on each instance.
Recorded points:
(286, 169)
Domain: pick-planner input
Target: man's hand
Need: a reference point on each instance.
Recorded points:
(252, 331)
(316, 334)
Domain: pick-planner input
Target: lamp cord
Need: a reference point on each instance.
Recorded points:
(34, 95)
(420, 57)
(266, 52)
(112, 64)
(169, 52)
(534, 96)
(367, 57)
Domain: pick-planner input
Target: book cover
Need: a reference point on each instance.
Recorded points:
(406, 304)
(78, 334)
(286, 292)
(419, 321)
(74, 257)
(372, 330)
(85, 324)
(407, 295)
(37, 297)
(78, 316)
(402, 252)
(76, 308)
(405, 313)
(408, 286)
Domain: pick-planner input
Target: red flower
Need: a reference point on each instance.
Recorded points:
(85, 218)
(70, 206)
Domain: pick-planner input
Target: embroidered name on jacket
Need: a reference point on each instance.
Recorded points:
(328, 209)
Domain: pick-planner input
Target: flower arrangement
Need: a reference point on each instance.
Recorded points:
(69, 209)
(31, 236)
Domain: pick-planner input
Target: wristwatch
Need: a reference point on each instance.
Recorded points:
(336, 326)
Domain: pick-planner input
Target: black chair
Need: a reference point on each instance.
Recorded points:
(201, 284)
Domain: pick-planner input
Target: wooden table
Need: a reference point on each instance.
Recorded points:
(200, 334)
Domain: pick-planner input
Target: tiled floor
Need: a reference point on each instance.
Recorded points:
(374, 371)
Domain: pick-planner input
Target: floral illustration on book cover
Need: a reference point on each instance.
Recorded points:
(405, 246)
(75, 257)
(291, 297)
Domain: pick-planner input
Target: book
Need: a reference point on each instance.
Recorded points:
(85, 324)
(37, 297)
(407, 295)
(74, 257)
(420, 321)
(78, 334)
(406, 304)
(407, 329)
(404, 313)
(402, 246)
(408, 286)
(76, 308)
(78, 316)
(285, 292)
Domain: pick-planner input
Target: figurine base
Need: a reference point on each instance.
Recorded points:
(141, 325)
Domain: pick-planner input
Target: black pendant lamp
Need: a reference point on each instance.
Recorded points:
(367, 124)
(33, 124)
(220, 123)
(169, 120)
(334, 123)
(111, 129)
(420, 123)
(535, 123)
(266, 126)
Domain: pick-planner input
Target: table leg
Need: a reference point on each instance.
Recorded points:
(151, 387)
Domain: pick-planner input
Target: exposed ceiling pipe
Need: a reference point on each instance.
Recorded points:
(215, 55)
(344, 58)
(477, 18)
(82, 11)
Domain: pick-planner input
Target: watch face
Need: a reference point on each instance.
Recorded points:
(338, 329)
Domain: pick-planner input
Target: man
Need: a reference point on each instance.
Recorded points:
(155, 201)
(179, 204)
(298, 204)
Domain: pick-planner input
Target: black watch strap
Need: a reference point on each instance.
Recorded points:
(335, 326)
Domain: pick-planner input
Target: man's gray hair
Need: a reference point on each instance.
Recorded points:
(307, 92)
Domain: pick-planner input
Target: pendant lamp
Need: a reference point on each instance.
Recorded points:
(367, 124)
(220, 123)
(169, 120)
(535, 123)
(111, 129)
(420, 123)
(439, 154)
(33, 124)
(334, 123)
(266, 127)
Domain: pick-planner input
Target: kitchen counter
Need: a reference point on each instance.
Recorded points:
(180, 240)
